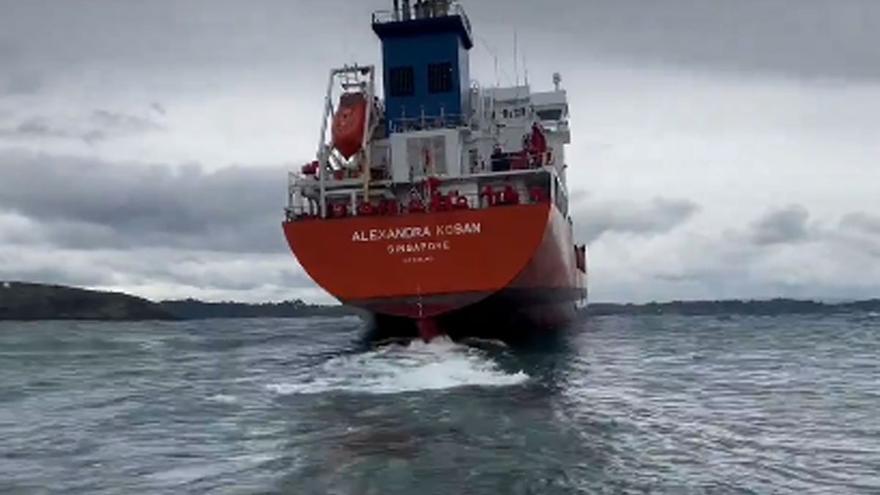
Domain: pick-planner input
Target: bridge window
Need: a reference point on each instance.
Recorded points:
(550, 114)
(402, 81)
(440, 78)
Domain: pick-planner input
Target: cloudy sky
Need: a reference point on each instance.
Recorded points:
(721, 148)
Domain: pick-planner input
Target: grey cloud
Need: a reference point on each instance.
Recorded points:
(781, 254)
(803, 38)
(36, 127)
(88, 204)
(784, 226)
(283, 274)
(862, 222)
(162, 273)
(854, 233)
(18, 231)
(595, 219)
(171, 35)
(99, 126)
(217, 271)
(21, 83)
(859, 231)
(94, 136)
(77, 276)
(123, 123)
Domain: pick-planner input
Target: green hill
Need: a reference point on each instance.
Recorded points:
(191, 309)
(26, 301)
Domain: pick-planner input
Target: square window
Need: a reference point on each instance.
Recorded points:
(402, 81)
(440, 78)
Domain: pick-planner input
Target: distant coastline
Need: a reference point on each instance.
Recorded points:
(764, 307)
(23, 301)
(27, 301)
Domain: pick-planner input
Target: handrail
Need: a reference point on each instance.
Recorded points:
(427, 122)
(458, 9)
(348, 182)
(309, 207)
(452, 9)
(474, 201)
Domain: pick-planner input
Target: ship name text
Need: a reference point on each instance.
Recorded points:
(414, 232)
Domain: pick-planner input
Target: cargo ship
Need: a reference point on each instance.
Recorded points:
(439, 206)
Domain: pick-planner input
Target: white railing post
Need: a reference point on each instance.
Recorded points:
(322, 155)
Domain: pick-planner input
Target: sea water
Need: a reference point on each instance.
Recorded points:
(625, 404)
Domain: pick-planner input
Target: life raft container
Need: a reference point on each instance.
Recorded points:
(349, 124)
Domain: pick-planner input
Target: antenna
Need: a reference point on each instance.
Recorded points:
(515, 58)
(498, 69)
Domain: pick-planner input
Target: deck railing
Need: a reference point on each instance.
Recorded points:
(437, 8)
(348, 197)
(427, 122)
(471, 201)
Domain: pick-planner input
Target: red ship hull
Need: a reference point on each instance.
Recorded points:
(492, 272)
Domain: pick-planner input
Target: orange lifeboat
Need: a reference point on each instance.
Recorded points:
(349, 124)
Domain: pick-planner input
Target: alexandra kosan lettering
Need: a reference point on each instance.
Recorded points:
(416, 232)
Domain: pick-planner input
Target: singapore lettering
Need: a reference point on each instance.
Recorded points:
(418, 247)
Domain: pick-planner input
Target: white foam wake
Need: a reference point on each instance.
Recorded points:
(441, 364)
(223, 399)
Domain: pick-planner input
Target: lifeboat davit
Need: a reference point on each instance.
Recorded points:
(349, 124)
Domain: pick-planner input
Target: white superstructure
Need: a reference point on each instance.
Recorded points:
(501, 138)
